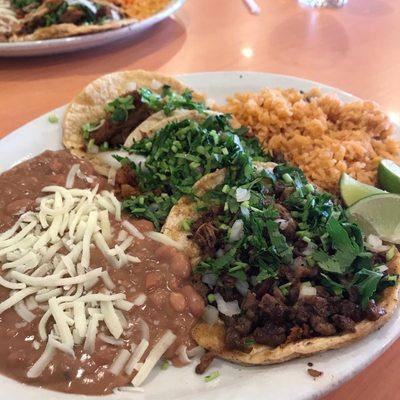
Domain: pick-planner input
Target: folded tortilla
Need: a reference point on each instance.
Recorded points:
(212, 337)
(88, 106)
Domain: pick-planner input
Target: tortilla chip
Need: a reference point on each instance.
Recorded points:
(212, 337)
(88, 106)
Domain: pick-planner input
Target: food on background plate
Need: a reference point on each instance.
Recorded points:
(90, 299)
(28, 20)
(142, 9)
(318, 133)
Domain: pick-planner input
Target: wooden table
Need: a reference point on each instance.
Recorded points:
(355, 48)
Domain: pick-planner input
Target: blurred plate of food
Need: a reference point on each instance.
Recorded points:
(37, 27)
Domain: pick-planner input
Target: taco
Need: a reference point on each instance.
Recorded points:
(63, 18)
(283, 271)
(112, 107)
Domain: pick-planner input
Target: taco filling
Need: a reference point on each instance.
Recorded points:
(77, 12)
(177, 156)
(281, 262)
(127, 112)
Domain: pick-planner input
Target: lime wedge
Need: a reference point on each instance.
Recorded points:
(389, 176)
(352, 190)
(379, 215)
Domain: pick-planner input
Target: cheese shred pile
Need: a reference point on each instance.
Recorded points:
(46, 259)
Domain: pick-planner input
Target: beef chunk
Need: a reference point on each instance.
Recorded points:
(273, 309)
(270, 334)
(234, 340)
(349, 309)
(344, 324)
(291, 224)
(126, 175)
(319, 305)
(250, 305)
(206, 236)
(116, 132)
(205, 361)
(322, 326)
(205, 233)
(373, 311)
(263, 287)
(73, 16)
(305, 272)
(243, 325)
(294, 292)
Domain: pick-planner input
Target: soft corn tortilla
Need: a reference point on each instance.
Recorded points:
(212, 337)
(88, 106)
(68, 30)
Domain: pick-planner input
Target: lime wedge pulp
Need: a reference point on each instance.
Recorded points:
(352, 190)
(389, 176)
(379, 215)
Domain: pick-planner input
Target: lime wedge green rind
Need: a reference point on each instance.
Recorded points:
(389, 176)
(352, 190)
(379, 215)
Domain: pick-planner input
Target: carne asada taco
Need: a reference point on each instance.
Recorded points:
(283, 271)
(63, 18)
(109, 109)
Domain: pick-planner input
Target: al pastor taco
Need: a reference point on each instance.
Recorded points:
(283, 271)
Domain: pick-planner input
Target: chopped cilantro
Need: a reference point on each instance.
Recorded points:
(212, 376)
(169, 100)
(249, 341)
(120, 107)
(165, 365)
(89, 127)
(52, 119)
(21, 4)
(177, 156)
(211, 298)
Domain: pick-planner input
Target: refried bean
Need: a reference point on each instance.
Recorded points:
(163, 275)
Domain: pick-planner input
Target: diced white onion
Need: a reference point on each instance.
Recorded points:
(195, 351)
(242, 195)
(374, 243)
(210, 279)
(182, 354)
(307, 290)
(228, 308)
(236, 232)
(210, 315)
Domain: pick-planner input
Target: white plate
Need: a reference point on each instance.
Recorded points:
(69, 44)
(280, 382)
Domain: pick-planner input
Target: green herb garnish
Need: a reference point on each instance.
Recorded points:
(212, 376)
(120, 107)
(165, 365)
(179, 155)
(52, 119)
(169, 100)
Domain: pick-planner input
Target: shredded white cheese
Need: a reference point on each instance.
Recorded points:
(155, 354)
(46, 256)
